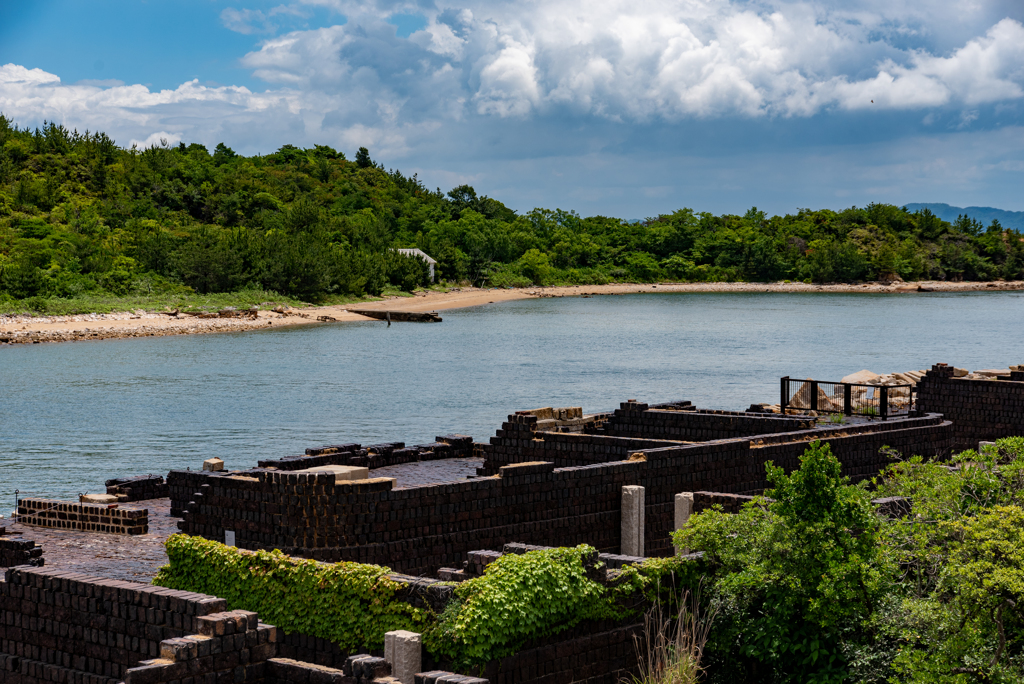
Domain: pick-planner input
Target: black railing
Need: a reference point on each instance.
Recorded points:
(848, 399)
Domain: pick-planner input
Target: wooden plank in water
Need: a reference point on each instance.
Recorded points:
(388, 315)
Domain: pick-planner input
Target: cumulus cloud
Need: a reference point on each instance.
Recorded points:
(661, 59)
(563, 61)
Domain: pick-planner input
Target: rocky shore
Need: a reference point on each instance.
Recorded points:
(23, 329)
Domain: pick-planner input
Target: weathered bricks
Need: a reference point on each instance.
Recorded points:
(68, 515)
(17, 551)
(981, 410)
(137, 488)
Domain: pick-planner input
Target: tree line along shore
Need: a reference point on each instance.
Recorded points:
(86, 225)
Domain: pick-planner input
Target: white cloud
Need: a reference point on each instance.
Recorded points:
(661, 59)
(480, 73)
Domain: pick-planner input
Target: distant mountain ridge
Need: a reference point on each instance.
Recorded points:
(1008, 219)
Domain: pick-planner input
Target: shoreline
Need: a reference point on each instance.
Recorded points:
(23, 329)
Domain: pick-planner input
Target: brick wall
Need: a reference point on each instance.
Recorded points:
(138, 488)
(182, 484)
(519, 440)
(78, 516)
(415, 530)
(633, 419)
(981, 410)
(60, 623)
(419, 530)
(68, 628)
(18, 551)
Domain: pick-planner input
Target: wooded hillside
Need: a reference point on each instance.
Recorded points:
(78, 214)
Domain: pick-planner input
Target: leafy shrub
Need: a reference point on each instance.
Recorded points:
(519, 598)
(793, 576)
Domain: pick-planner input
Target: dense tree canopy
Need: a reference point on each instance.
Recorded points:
(79, 214)
(814, 585)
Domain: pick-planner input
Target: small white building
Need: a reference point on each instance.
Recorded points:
(420, 254)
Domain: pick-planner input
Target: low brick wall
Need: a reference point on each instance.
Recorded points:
(64, 627)
(634, 419)
(981, 410)
(414, 530)
(521, 443)
(419, 530)
(18, 551)
(138, 488)
(596, 653)
(85, 517)
(183, 484)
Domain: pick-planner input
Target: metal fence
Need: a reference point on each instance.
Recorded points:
(849, 399)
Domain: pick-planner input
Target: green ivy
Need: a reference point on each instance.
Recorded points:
(519, 598)
(349, 604)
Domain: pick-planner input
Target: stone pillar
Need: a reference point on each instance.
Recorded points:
(404, 651)
(684, 509)
(229, 537)
(632, 521)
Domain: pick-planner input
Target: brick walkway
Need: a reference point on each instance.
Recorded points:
(139, 558)
(118, 556)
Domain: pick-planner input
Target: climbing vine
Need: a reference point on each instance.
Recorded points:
(350, 604)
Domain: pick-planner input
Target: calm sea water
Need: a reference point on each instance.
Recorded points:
(73, 415)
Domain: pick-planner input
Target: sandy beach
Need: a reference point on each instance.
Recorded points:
(87, 327)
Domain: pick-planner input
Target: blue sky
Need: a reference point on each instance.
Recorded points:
(607, 106)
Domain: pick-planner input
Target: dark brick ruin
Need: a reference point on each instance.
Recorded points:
(553, 488)
(549, 477)
(980, 410)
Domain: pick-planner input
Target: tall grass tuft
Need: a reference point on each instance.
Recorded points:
(671, 648)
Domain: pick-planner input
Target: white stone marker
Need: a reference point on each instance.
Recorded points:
(684, 509)
(229, 537)
(632, 521)
(404, 650)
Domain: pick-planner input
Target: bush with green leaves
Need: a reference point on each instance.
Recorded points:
(791, 577)
(813, 585)
(519, 598)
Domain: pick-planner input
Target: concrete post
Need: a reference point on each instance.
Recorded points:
(632, 521)
(684, 509)
(229, 537)
(404, 651)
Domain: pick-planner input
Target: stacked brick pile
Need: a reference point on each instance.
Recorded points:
(520, 439)
(634, 419)
(17, 551)
(67, 627)
(314, 458)
(138, 488)
(82, 516)
(74, 629)
(182, 484)
(420, 529)
(981, 410)
(414, 530)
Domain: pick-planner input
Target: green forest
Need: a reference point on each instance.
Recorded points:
(81, 217)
